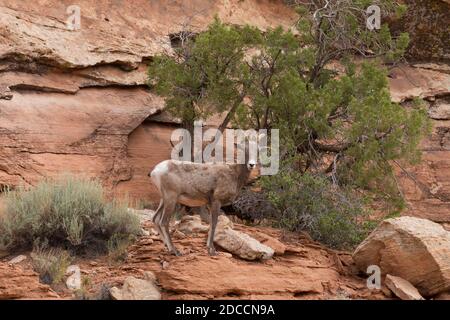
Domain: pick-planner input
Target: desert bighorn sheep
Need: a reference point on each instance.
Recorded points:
(194, 185)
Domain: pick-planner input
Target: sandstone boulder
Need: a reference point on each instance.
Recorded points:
(242, 245)
(417, 250)
(402, 288)
(137, 289)
(192, 224)
(18, 259)
(224, 222)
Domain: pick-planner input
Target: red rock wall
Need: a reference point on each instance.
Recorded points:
(72, 100)
(427, 24)
(426, 186)
(75, 100)
(148, 145)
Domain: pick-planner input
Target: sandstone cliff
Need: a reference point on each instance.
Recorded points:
(77, 100)
(69, 100)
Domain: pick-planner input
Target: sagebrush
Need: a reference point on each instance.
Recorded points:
(68, 212)
(50, 263)
(330, 214)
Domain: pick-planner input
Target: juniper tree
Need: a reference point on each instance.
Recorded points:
(323, 84)
(205, 74)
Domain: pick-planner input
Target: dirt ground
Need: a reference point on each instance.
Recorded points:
(306, 270)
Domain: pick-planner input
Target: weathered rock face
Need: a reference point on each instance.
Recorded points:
(440, 110)
(417, 250)
(427, 24)
(425, 81)
(277, 246)
(426, 186)
(19, 283)
(235, 242)
(75, 100)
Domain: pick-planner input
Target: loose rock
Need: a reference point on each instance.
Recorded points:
(402, 288)
(417, 250)
(242, 245)
(137, 289)
(18, 259)
(440, 110)
(192, 224)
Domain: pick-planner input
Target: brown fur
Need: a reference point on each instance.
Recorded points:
(195, 185)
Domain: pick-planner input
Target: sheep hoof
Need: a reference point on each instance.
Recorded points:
(212, 252)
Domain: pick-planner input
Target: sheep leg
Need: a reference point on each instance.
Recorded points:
(214, 210)
(169, 208)
(157, 217)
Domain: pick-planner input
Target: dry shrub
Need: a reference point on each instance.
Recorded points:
(69, 212)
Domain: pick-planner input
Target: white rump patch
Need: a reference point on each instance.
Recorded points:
(159, 170)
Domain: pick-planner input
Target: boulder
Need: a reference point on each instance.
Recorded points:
(17, 259)
(137, 289)
(224, 222)
(192, 224)
(402, 288)
(242, 245)
(417, 250)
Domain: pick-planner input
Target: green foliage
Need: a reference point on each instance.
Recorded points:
(206, 74)
(68, 212)
(338, 126)
(330, 214)
(340, 27)
(379, 130)
(50, 264)
(117, 247)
